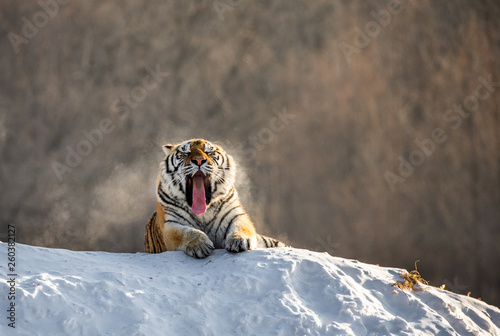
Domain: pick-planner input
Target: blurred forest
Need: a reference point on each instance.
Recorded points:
(366, 129)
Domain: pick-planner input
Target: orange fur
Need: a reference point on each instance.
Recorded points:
(244, 229)
(162, 235)
(153, 237)
(197, 150)
(174, 238)
(160, 215)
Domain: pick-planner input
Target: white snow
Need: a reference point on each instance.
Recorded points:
(281, 291)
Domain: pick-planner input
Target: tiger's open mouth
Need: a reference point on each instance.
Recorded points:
(198, 192)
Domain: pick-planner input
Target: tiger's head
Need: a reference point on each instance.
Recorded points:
(196, 172)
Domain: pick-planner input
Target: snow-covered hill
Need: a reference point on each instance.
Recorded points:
(262, 292)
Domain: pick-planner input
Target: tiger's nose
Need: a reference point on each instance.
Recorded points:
(198, 160)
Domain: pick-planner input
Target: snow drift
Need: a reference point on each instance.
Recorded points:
(280, 291)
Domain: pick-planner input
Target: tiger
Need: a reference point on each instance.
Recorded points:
(198, 208)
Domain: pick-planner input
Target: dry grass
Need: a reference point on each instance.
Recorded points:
(412, 281)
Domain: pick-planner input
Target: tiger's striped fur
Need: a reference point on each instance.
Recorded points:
(220, 223)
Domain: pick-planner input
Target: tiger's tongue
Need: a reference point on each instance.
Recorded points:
(199, 205)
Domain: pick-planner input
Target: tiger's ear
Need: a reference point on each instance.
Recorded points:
(167, 148)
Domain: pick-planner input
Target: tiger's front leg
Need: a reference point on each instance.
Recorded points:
(193, 242)
(241, 235)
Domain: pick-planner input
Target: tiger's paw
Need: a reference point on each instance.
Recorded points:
(239, 243)
(198, 245)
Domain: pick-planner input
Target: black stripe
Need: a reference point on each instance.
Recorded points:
(178, 205)
(175, 205)
(175, 222)
(162, 199)
(221, 202)
(182, 188)
(175, 210)
(228, 201)
(231, 223)
(194, 221)
(178, 216)
(215, 188)
(224, 217)
(160, 189)
(169, 164)
(269, 242)
(167, 199)
(170, 199)
(210, 225)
